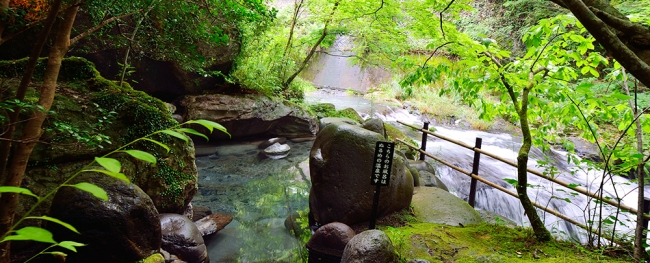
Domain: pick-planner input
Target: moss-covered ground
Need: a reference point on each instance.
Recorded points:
(489, 243)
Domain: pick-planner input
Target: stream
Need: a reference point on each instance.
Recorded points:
(260, 193)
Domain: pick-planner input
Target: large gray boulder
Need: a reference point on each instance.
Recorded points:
(435, 205)
(251, 114)
(340, 165)
(370, 246)
(125, 228)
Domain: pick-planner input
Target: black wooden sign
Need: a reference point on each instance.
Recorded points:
(382, 163)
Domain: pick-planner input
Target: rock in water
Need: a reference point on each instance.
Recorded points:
(182, 238)
(370, 246)
(269, 142)
(277, 151)
(340, 165)
(125, 228)
(212, 223)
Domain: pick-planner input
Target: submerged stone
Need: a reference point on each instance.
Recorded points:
(277, 151)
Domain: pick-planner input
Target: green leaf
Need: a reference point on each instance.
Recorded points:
(210, 125)
(93, 189)
(71, 245)
(52, 219)
(511, 181)
(573, 185)
(194, 132)
(109, 164)
(157, 142)
(31, 233)
(607, 221)
(141, 155)
(120, 176)
(18, 190)
(621, 96)
(176, 134)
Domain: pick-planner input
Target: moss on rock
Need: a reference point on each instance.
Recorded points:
(92, 116)
(393, 134)
(486, 243)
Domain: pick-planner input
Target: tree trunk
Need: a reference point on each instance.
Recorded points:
(32, 130)
(313, 48)
(4, 16)
(536, 223)
(128, 50)
(294, 20)
(5, 146)
(639, 250)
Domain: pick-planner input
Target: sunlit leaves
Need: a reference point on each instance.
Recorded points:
(109, 164)
(92, 189)
(141, 155)
(17, 190)
(71, 245)
(52, 219)
(31, 233)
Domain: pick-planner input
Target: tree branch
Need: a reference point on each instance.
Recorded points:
(100, 25)
(610, 41)
(434, 52)
(440, 16)
(504, 81)
(375, 12)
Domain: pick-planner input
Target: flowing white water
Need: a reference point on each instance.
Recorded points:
(541, 191)
(561, 199)
(566, 201)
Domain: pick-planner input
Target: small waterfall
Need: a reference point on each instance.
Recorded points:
(333, 68)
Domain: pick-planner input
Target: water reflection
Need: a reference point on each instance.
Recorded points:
(259, 193)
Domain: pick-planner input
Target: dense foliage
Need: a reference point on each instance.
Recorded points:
(553, 69)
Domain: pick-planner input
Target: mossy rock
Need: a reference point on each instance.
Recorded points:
(92, 116)
(438, 206)
(322, 110)
(349, 113)
(394, 133)
(325, 110)
(73, 68)
(488, 243)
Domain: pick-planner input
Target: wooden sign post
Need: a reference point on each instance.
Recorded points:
(382, 163)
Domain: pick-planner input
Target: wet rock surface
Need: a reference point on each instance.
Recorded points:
(277, 151)
(331, 239)
(212, 223)
(125, 228)
(340, 163)
(181, 237)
